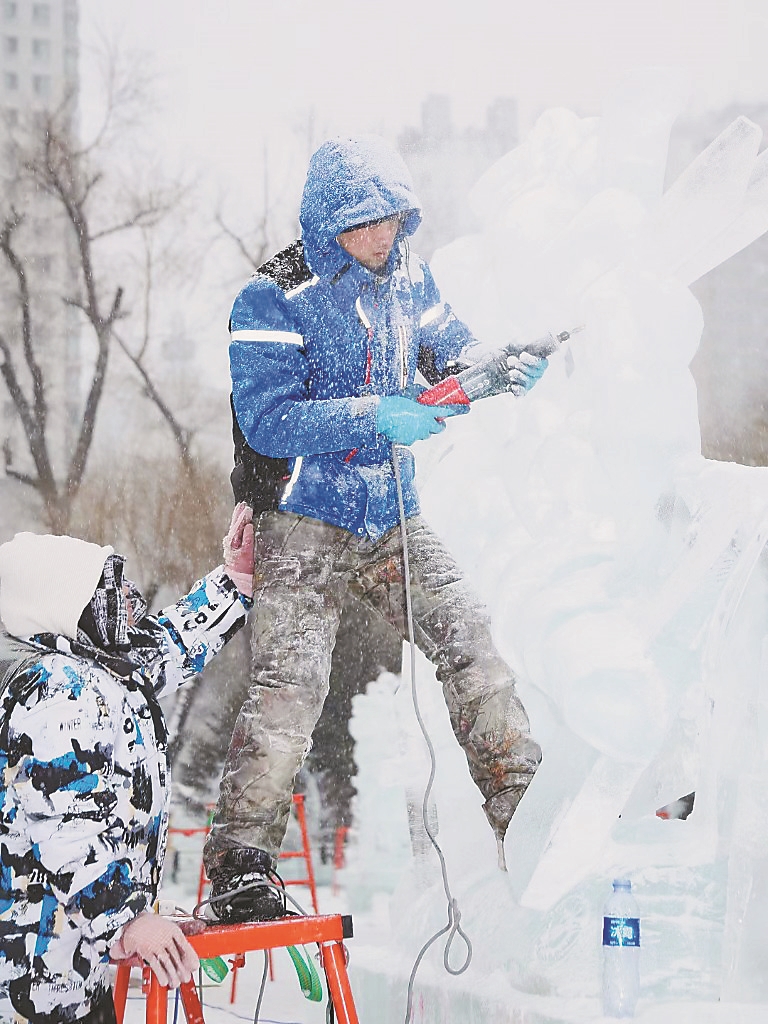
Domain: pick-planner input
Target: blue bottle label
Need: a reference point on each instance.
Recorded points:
(621, 931)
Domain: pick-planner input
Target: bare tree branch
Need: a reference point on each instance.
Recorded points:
(49, 163)
(23, 478)
(18, 397)
(254, 256)
(142, 218)
(33, 415)
(181, 435)
(9, 227)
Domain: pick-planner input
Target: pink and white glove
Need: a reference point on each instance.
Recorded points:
(161, 944)
(238, 549)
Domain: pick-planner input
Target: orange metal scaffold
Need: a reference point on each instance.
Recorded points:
(328, 931)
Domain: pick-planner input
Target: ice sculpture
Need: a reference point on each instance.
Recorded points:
(622, 569)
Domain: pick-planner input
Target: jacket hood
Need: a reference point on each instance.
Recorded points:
(350, 182)
(46, 581)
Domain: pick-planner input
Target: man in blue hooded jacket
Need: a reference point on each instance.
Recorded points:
(326, 341)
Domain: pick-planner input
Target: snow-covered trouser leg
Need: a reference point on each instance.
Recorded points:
(452, 628)
(294, 620)
(303, 569)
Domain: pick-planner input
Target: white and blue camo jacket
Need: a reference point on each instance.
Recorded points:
(84, 800)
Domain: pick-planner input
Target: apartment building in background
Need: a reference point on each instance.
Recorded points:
(38, 74)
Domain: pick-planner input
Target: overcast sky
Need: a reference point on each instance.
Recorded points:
(236, 72)
(240, 78)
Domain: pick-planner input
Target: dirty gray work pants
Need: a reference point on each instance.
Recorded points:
(303, 570)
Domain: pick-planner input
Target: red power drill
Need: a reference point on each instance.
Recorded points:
(489, 376)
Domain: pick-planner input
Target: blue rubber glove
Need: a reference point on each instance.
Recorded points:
(524, 370)
(404, 421)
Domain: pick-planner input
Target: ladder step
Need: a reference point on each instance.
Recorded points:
(327, 930)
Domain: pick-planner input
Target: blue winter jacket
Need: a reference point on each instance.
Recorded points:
(316, 338)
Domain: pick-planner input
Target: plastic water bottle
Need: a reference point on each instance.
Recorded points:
(621, 951)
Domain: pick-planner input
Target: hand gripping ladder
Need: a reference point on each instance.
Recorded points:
(328, 931)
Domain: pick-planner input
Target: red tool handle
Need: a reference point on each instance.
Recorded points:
(448, 392)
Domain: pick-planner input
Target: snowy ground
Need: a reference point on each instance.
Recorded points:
(379, 979)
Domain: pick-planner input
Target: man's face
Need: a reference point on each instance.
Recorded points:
(371, 243)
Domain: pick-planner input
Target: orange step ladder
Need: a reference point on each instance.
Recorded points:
(305, 853)
(328, 931)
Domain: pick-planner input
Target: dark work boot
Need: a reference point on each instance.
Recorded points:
(245, 888)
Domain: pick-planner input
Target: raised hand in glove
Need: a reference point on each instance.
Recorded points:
(523, 371)
(238, 549)
(161, 944)
(498, 373)
(404, 421)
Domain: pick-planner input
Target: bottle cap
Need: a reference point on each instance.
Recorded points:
(622, 883)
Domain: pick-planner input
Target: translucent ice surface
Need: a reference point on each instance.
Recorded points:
(625, 573)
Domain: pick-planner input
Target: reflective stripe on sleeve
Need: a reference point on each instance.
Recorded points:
(278, 337)
(294, 478)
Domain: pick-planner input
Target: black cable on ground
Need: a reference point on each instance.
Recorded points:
(262, 986)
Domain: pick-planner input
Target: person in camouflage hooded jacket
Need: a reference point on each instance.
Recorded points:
(85, 779)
